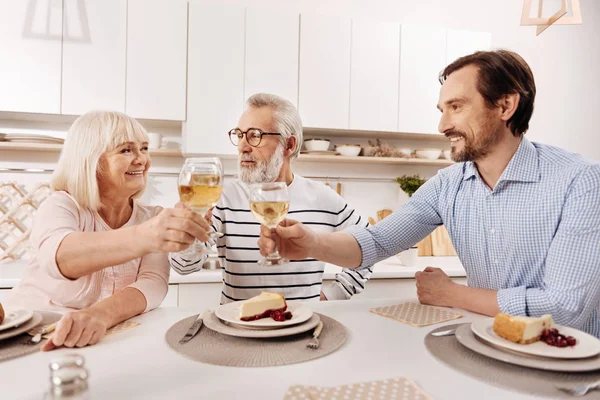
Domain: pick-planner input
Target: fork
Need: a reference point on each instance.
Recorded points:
(38, 336)
(580, 389)
(314, 342)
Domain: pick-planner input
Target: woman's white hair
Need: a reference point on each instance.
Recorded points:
(286, 117)
(90, 136)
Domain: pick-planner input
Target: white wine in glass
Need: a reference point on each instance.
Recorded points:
(202, 193)
(270, 202)
(270, 213)
(200, 188)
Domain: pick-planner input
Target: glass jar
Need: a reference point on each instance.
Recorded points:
(68, 378)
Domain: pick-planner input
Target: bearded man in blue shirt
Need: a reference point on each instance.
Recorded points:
(523, 217)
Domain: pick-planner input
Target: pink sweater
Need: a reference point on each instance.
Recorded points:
(43, 287)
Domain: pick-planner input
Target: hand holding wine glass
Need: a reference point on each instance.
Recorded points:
(269, 202)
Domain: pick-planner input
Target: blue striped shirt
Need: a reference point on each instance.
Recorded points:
(535, 238)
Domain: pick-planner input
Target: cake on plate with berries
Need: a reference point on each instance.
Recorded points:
(524, 330)
(265, 305)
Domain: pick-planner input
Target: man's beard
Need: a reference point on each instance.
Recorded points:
(475, 148)
(261, 171)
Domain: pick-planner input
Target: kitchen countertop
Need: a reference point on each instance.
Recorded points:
(11, 273)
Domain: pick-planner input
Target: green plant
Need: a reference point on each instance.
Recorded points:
(410, 183)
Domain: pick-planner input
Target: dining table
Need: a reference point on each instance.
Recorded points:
(138, 363)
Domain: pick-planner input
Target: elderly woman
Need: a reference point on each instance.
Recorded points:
(97, 249)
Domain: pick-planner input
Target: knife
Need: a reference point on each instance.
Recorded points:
(444, 333)
(194, 329)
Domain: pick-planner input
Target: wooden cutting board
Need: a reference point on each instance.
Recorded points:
(438, 243)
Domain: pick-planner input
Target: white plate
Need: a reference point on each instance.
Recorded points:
(587, 345)
(230, 312)
(212, 322)
(14, 318)
(467, 338)
(21, 329)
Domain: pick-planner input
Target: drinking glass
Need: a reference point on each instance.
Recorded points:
(269, 202)
(200, 187)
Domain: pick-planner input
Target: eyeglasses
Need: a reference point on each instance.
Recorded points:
(253, 136)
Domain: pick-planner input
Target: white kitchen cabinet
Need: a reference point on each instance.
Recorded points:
(422, 58)
(272, 53)
(94, 46)
(324, 86)
(156, 59)
(374, 75)
(30, 55)
(215, 77)
(200, 295)
(461, 43)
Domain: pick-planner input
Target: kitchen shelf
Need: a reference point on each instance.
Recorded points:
(375, 160)
(320, 132)
(46, 147)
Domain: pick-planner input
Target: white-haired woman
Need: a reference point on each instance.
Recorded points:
(96, 249)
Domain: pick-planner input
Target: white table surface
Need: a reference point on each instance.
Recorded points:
(138, 364)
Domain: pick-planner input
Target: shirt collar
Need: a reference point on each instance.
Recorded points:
(523, 167)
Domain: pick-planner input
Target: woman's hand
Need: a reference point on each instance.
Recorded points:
(77, 329)
(173, 230)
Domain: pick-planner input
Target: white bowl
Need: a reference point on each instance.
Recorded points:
(430, 154)
(349, 150)
(405, 152)
(316, 144)
(447, 154)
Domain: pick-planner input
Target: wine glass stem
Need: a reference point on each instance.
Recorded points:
(275, 253)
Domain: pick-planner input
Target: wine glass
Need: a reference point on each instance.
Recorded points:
(200, 187)
(269, 202)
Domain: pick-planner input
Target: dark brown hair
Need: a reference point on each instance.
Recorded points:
(501, 72)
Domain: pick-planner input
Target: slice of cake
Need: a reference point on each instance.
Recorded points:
(262, 306)
(522, 330)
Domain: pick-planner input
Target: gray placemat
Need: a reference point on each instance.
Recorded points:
(448, 350)
(16, 347)
(215, 348)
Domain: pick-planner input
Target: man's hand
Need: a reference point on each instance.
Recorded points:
(293, 240)
(434, 287)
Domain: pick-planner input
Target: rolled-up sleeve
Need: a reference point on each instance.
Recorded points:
(153, 279)
(570, 290)
(404, 228)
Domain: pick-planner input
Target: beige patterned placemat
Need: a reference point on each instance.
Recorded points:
(123, 326)
(388, 389)
(416, 314)
(448, 350)
(211, 347)
(17, 347)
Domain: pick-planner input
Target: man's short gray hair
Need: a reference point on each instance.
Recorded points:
(286, 117)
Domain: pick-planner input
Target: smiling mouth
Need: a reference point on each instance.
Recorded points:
(455, 139)
(137, 173)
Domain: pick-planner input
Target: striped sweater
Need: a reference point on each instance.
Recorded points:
(311, 203)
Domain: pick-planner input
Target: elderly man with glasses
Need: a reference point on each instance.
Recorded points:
(269, 137)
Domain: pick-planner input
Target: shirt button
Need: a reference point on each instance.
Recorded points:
(492, 230)
(496, 262)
